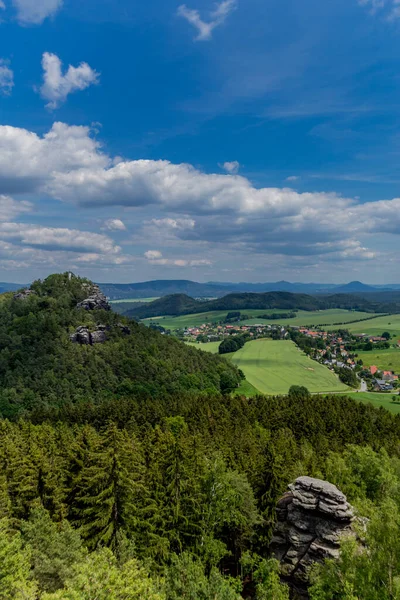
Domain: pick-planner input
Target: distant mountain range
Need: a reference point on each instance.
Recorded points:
(215, 289)
(10, 287)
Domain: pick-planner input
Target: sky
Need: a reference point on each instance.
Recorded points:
(237, 140)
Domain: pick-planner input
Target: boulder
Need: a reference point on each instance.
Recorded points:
(312, 517)
(95, 301)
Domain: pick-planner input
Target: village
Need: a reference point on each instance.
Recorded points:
(337, 350)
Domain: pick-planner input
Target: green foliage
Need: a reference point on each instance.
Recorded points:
(42, 370)
(231, 344)
(56, 547)
(186, 580)
(299, 392)
(98, 577)
(15, 576)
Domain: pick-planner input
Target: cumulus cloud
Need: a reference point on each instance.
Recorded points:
(6, 78)
(57, 86)
(217, 17)
(114, 225)
(34, 12)
(153, 254)
(231, 167)
(57, 238)
(68, 164)
(155, 257)
(10, 208)
(173, 223)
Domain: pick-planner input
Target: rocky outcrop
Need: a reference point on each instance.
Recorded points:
(313, 516)
(24, 294)
(85, 337)
(95, 301)
(125, 329)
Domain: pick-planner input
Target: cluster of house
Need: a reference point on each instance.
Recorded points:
(384, 380)
(217, 332)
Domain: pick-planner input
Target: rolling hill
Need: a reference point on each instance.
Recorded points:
(180, 304)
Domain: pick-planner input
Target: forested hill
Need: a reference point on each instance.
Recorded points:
(46, 363)
(180, 304)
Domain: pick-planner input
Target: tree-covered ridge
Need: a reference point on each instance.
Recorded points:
(40, 367)
(181, 304)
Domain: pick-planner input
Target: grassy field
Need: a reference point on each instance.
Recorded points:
(247, 389)
(303, 318)
(384, 400)
(195, 320)
(271, 367)
(385, 360)
(377, 326)
(132, 300)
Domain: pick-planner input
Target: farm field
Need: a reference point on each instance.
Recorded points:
(384, 400)
(322, 317)
(385, 360)
(197, 319)
(132, 300)
(377, 326)
(311, 318)
(273, 366)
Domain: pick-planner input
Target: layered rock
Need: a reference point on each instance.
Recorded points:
(313, 516)
(24, 294)
(85, 337)
(95, 301)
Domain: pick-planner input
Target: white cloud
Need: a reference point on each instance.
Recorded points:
(10, 208)
(57, 87)
(6, 78)
(292, 178)
(34, 12)
(155, 257)
(114, 225)
(68, 164)
(231, 167)
(55, 238)
(2, 5)
(217, 17)
(153, 254)
(173, 223)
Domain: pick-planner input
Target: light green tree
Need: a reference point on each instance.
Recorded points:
(15, 580)
(98, 577)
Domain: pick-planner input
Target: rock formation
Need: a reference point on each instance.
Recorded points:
(95, 301)
(24, 294)
(84, 337)
(312, 515)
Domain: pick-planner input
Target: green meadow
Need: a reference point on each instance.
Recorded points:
(378, 325)
(132, 300)
(272, 367)
(385, 360)
(378, 400)
(197, 319)
(312, 318)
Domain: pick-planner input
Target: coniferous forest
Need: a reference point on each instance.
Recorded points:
(129, 471)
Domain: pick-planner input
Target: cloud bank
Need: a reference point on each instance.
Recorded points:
(203, 210)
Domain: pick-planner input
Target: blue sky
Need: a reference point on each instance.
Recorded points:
(235, 140)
